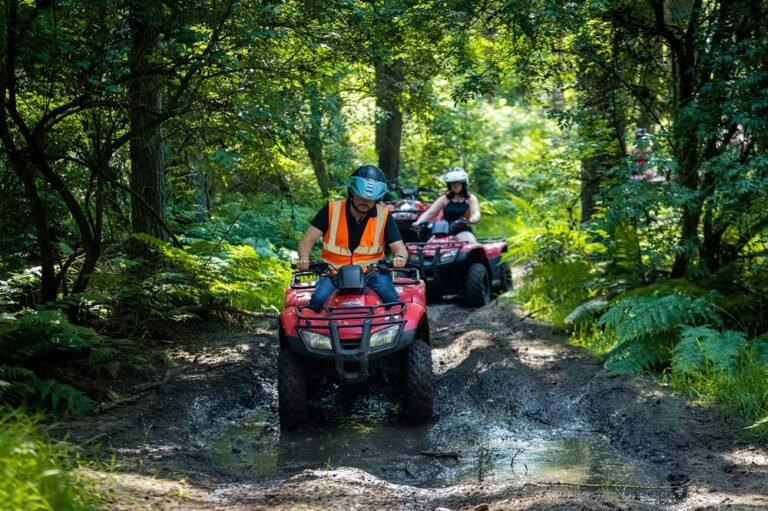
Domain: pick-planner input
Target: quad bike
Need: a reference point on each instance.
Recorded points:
(354, 338)
(450, 265)
(406, 210)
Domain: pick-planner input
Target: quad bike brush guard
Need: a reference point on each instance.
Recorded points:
(354, 339)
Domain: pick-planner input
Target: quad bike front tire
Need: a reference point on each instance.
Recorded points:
(478, 285)
(291, 390)
(418, 398)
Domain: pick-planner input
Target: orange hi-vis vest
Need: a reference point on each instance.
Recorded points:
(336, 239)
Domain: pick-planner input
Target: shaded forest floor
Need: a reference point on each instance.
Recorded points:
(490, 365)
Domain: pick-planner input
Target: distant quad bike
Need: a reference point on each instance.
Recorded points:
(449, 265)
(355, 338)
(406, 210)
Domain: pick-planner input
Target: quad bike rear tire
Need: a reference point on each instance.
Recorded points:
(418, 398)
(291, 390)
(478, 285)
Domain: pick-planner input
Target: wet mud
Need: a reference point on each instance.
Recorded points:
(522, 421)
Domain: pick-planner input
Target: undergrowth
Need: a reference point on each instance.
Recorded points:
(38, 473)
(675, 328)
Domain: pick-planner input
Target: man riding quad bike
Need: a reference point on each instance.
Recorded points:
(354, 338)
(449, 264)
(352, 317)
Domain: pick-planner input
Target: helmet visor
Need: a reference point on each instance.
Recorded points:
(368, 189)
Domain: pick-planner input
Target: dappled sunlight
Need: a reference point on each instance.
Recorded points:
(538, 355)
(455, 353)
(139, 492)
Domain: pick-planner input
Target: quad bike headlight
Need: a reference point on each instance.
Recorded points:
(385, 337)
(448, 256)
(316, 341)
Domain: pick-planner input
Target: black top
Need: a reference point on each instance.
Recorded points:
(355, 234)
(455, 210)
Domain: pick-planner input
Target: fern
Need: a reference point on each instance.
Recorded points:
(700, 347)
(215, 274)
(33, 345)
(585, 311)
(640, 331)
(634, 356)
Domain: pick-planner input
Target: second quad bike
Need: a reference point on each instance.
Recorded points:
(353, 339)
(406, 209)
(450, 265)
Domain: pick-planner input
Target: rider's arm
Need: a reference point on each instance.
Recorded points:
(436, 206)
(399, 253)
(308, 241)
(474, 209)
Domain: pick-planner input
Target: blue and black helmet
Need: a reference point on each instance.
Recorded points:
(367, 182)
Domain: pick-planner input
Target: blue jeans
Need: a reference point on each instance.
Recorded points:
(381, 283)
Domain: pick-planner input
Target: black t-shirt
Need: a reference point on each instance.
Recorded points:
(455, 210)
(391, 233)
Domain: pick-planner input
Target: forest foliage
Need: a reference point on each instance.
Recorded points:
(160, 159)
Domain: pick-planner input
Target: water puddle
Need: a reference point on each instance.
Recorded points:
(366, 433)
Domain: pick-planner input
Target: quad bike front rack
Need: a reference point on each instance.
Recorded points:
(351, 353)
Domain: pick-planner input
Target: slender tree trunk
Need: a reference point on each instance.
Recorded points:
(313, 143)
(50, 283)
(146, 146)
(688, 142)
(389, 120)
(601, 126)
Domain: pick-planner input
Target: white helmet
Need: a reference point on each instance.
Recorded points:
(456, 175)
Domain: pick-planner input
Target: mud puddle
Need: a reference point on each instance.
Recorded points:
(366, 433)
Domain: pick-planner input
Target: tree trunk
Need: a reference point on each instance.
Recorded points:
(313, 143)
(688, 146)
(389, 117)
(601, 127)
(49, 282)
(146, 146)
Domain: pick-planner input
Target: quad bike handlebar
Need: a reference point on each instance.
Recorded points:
(429, 225)
(319, 268)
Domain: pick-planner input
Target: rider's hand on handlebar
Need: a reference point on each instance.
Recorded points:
(303, 264)
(398, 261)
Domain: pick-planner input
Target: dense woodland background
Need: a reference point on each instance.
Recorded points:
(160, 159)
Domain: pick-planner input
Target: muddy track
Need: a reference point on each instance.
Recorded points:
(206, 436)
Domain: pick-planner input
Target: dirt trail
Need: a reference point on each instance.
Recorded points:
(490, 366)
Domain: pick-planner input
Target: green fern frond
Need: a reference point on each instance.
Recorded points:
(645, 316)
(585, 311)
(635, 356)
(688, 358)
(58, 393)
(702, 346)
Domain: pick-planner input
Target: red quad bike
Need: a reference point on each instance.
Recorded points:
(355, 338)
(472, 270)
(406, 210)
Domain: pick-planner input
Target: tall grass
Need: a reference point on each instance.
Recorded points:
(36, 472)
(740, 392)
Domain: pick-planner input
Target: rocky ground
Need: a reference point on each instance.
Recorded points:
(492, 367)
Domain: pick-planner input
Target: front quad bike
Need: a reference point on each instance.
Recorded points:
(354, 338)
(450, 265)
